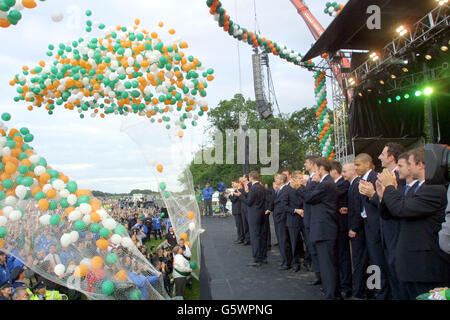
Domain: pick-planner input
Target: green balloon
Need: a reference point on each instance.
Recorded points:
(23, 169)
(193, 265)
(108, 287)
(63, 203)
(28, 137)
(8, 183)
(39, 195)
(95, 227)
(120, 230)
(53, 205)
(111, 258)
(2, 195)
(136, 295)
(162, 186)
(71, 186)
(2, 232)
(6, 116)
(104, 233)
(166, 194)
(79, 225)
(24, 131)
(27, 181)
(162, 215)
(55, 220)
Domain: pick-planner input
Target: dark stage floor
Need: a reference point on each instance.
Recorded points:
(228, 276)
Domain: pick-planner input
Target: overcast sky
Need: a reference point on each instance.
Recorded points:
(95, 152)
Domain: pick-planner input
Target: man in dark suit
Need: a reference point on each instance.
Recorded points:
(294, 220)
(421, 265)
(390, 228)
(311, 167)
(279, 219)
(356, 231)
(255, 200)
(244, 210)
(270, 196)
(322, 197)
(236, 211)
(343, 241)
(370, 214)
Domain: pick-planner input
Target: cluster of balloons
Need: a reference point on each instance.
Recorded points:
(126, 70)
(10, 11)
(322, 115)
(333, 8)
(252, 38)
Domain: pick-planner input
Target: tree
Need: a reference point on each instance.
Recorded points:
(297, 139)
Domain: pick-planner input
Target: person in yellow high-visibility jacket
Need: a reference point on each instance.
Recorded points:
(41, 293)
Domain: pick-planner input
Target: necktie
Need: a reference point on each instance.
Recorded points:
(417, 187)
(408, 187)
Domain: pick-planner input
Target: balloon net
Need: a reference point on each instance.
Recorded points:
(62, 232)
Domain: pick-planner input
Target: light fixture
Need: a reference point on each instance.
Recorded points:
(374, 56)
(402, 30)
(393, 76)
(418, 93)
(398, 98)
(428, 91)
(406, 96)
(441, 2)
(351, 81)
(428, 56)
(405, 69)
(444, 47)
(382, 82)
(360, 94)
(389, 100)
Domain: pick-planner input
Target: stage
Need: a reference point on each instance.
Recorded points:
(225, 274)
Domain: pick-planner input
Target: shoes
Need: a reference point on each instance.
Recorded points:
(275, 245)
(254, 264)
(346, 295)
(284, 268)
(238, 241)
(314, 283)
(297, 268)
(246, 243)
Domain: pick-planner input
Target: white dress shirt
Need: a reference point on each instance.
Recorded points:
(363, 213)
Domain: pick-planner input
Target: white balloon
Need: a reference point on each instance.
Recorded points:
(65, 240)
(87, 262)
(75, 215)
(74, 236)
(7, 210)
(127, 242)
(45, 219)
(59, 269)
(10, 201)
(64, 193)
(87, 219)
(15, 215)
(3, 221)
(109, 223)
(72, 199)
(103, 214)
(46, 187)
(18, 6)
(191, 226)
(58, 184)
(57, 16)
(6, 151)
(21, 191)
(85, 208)
(116, 239)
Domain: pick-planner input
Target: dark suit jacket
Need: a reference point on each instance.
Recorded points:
(270, 197)
(295, 201)
(355, 221)
(372, 212)
(342, 187)
(323, 199)
(244, 207)
(235, 205)
(280, 204)
(418, 256)
(306, 206)
(256, 202)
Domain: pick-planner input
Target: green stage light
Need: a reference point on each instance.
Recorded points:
(407, 96)
(398, 98)
(389, 100)
(428, 91)
(418, 93)
(379, 101)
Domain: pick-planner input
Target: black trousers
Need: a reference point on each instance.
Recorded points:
(410, 290)
(156, 232)
(257, 238)
(180, 284)
(307, 254)
(376, 257)
(328, 264)
(244, 217)
(394, 283)
(345, 262)
(239, 228)
(208, 207)
(312, 251)
(294, 235)
(266, 236)
(283, 242)
(360, 263)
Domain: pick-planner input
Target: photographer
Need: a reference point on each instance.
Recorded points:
(142, 231)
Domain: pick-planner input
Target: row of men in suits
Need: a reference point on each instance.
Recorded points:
(342, 220)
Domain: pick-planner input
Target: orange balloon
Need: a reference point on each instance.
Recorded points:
(10, 168)
(95, 204)
(96, 263)
(43, 178)
(121, 276)
(30, 4)
(187, 243)
(95, 217)
(69, 210)
(80, 271)
(102, 244)
(35, 190)
(2, 243)
(4, 23)
(159, 167)
(51, 193)
(190, 215)
(180, 134)
(82, 192)
(43, 204)
(183, 236)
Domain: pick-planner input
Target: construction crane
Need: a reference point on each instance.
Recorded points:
(341, 95)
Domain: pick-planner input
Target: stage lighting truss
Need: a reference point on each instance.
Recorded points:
(374, 56)
(430, 26)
